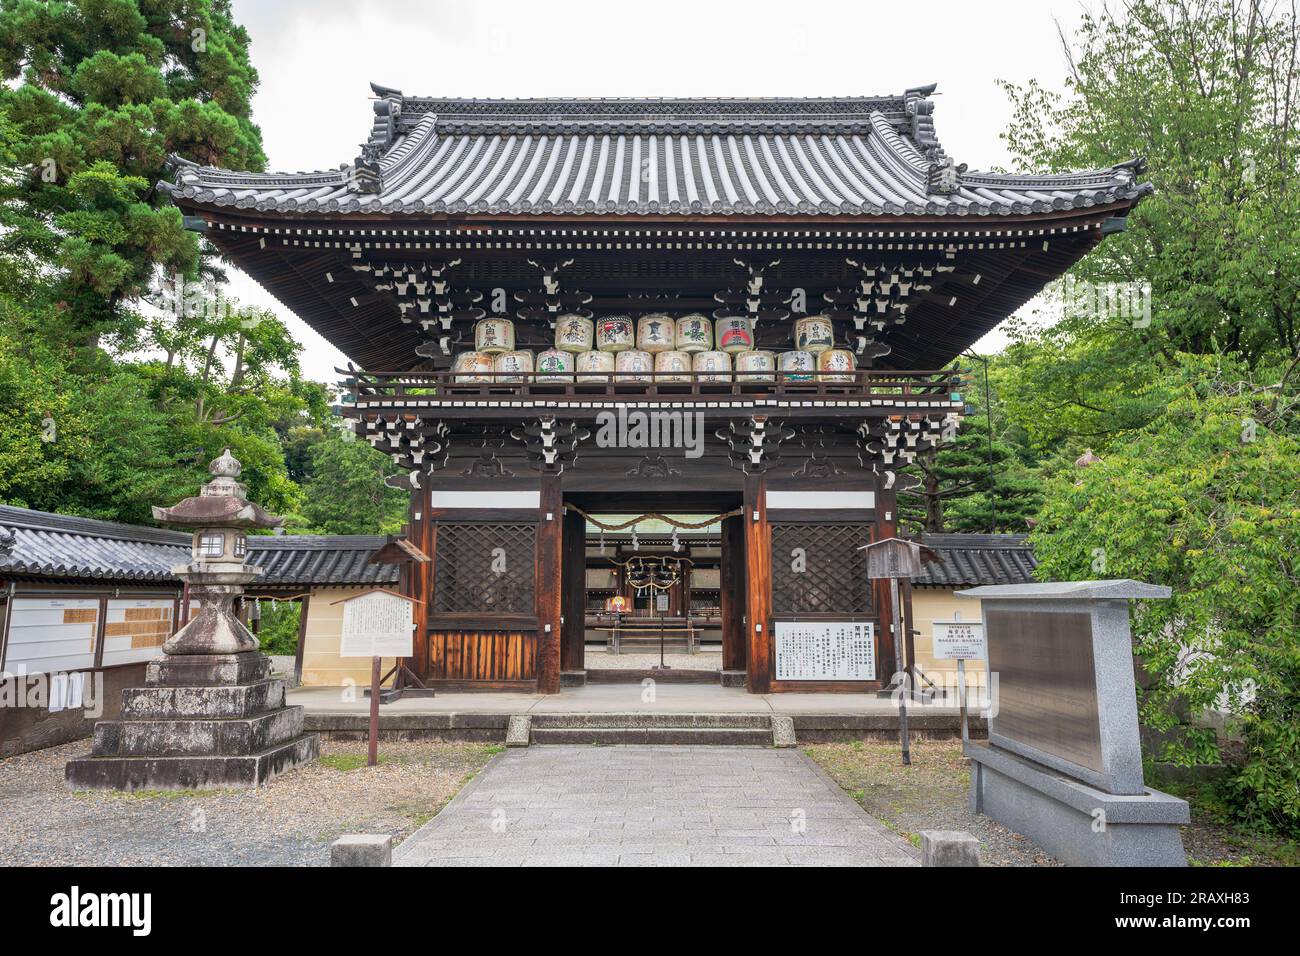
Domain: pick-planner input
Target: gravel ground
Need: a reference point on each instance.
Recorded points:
(931, 794)
(289, 822)
(603, 660)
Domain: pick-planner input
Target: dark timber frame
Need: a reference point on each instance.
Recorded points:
(768, 209)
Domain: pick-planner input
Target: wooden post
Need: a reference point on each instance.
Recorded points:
(418, 582)
(372, 754)
(731, 593)
(574, 574)
(549, 584)
(304, 608)
(885, 527)
(758, 586)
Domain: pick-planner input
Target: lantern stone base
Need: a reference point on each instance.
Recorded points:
(201, 721)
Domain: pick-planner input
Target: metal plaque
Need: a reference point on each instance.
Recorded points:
(1046, 683)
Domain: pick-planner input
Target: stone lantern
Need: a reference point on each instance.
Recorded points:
(218, 570)
(210, 714)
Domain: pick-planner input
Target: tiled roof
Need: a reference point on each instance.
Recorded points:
(40, 544)
(44, 545)
(976, 559)
(320, 559)
(856, 156)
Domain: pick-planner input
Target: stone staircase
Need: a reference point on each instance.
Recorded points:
(201, 721)
(653, 728)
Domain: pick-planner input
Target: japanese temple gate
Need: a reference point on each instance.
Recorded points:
(549, 213)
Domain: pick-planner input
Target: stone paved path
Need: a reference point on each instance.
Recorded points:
(653, 806)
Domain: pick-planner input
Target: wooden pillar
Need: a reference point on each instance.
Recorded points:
(548, 587)
(574, 575)
(885, 526)
(758, 586)
(417, 579)
(731, 593)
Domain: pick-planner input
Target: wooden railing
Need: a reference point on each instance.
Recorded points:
(393, 388)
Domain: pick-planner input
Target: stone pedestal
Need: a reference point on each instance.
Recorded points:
(202, 721)
(1063, 762)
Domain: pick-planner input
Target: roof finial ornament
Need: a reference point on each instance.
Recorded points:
(225, 465)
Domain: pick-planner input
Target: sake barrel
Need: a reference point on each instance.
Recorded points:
(554, 365)
(712, 366)
(494, 335)
(590, 363)
(672, 366)
(694, 333)
(757, 366)
(473, 368)
(635, 364)
(796, 366)
(814, 333)
(735, 334)
(614, 333)
(511, 367)
(655, 333)
(836, 365)
(573, 333)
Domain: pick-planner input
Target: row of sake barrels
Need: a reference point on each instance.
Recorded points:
(638, 365)
(654, 333)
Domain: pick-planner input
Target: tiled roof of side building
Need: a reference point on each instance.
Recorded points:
(970, 560)
(856, 156)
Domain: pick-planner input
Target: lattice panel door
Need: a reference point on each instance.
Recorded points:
(818, 569)
(485, 568)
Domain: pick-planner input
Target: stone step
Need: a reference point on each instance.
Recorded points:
(191, 772)
(635, 675)
(174, 738)
(634, 720)
(191, 703)
(675, 736)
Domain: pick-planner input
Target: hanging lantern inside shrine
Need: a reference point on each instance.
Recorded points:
(494, 335)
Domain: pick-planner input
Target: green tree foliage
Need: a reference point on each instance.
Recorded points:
(344, 491)
(1206, 499)
(972, 485)
(98, 94)
(1193, 412)
(1206, 90)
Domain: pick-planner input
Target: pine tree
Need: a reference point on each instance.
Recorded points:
(98, 93)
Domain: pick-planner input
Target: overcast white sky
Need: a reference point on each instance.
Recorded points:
(316, 57)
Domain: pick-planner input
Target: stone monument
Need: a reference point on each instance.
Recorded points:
(1063, 762)
(209, 714)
